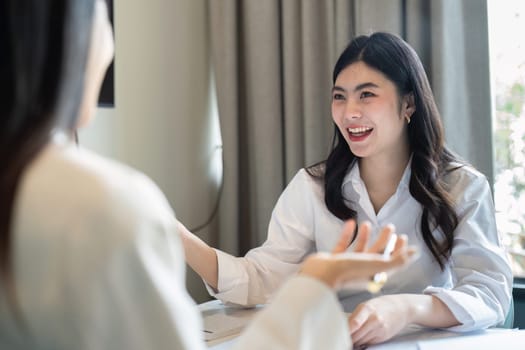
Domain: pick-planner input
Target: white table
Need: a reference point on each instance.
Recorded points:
(417, 338)
(224, 323)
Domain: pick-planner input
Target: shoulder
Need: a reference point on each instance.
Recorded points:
(303, 193)
(306, 183)
(458, 172)
(86, 189)
(103, 235)
(465, 182)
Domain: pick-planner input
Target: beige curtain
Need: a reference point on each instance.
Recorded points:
(461, 78)
(272, 62)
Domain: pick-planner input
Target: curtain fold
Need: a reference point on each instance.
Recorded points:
(272, 62)
(461, 78)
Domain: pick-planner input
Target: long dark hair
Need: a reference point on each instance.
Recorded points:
(44, 46)
(431, 160)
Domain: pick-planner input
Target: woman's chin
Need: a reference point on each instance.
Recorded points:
(359, 152)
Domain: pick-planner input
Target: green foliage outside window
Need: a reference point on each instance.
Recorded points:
(507, 55)
(509, 142)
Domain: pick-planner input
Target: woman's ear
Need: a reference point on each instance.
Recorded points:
(409, 106)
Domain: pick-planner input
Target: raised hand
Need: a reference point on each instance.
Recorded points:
(341, 268)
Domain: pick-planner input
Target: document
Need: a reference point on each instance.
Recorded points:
(417, 338)
(221, 322)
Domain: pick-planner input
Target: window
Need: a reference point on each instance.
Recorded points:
(507, 57)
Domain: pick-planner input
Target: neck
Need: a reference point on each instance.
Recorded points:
(383, 173)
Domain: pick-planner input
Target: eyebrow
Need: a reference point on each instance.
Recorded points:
(357, 88)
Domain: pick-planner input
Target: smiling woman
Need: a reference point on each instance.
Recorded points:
(363, 107)
(90, 255)
(389, 165)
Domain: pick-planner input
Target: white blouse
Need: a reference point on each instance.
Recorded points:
(475, 284)
(99, 265)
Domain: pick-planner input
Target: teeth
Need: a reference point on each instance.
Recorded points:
(358, 130)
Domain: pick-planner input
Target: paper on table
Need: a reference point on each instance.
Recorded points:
(221, 321)
(221, 325)
(418, 338)
(487, 340)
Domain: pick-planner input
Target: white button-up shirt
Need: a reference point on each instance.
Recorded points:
(475, 284)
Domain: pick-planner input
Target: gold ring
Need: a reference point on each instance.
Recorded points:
(377, 282)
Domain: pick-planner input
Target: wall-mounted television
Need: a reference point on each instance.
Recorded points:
(107, 91)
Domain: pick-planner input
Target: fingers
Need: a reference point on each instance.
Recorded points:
(403, 256)
(361, 264)
(362, 267)
(402, 253)
(370, 325)
(397, 259)
(363, 237)
(382, 241)
(346, 237)
(371, 266)
(360, 324)
(401, 243)
(379, 319)
(364, 334)
(356, 319)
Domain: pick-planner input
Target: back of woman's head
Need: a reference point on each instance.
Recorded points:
(43, 45)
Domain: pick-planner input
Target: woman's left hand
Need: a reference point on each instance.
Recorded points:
(379, 319)
(341, 268)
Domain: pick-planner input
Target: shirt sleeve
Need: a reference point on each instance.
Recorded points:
(304, 315)
(253, 279)
(147, 307)
(482, 276)
(132, 295)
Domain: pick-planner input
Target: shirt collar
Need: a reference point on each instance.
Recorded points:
(354, 176)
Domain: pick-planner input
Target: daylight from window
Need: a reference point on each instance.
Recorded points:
(507, 57)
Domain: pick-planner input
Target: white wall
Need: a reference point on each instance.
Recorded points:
(162, 123)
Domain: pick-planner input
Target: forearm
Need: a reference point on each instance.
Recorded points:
(429, 311)
(200, 257)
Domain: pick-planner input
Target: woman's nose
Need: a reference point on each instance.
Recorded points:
(352, 110)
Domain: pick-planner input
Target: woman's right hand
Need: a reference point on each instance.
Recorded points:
(341, 268)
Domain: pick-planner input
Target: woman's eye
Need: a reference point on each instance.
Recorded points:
(365, 94)
(338, 97)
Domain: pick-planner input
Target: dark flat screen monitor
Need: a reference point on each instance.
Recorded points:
(107, 91)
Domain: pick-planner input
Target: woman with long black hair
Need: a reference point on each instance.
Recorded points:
(389, 165)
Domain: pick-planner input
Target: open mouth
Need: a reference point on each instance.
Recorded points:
(360, 133)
